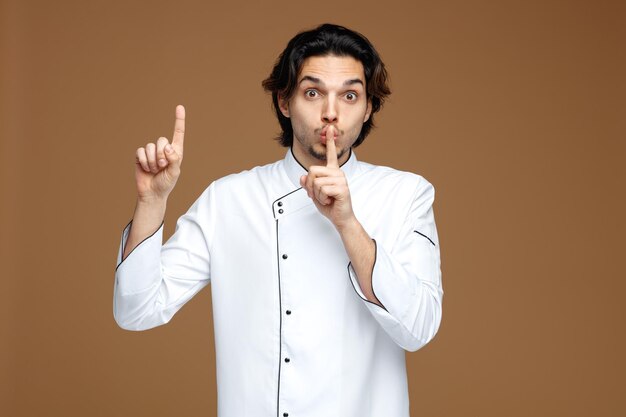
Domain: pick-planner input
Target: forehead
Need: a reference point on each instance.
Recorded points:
(332, 68)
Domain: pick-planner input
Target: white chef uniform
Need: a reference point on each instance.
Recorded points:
(294, 334)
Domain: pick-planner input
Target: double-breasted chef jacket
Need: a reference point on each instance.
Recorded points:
(294, 334)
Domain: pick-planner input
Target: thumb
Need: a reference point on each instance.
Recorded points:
(173, 158)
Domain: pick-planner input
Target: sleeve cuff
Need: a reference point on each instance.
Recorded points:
(131, 272)
(412, 311)
(381, 315)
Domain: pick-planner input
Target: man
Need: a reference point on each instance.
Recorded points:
(324, 269)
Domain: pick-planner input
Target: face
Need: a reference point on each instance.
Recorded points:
(330, 90)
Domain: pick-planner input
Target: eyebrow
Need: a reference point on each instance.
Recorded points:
(316, 80)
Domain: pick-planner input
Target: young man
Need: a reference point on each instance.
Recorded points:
(324, 269)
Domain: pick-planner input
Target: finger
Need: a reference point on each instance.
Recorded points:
(321, 196)
(179, 130)
(151, 155)
(173, 160)
(160, 152)
(321, 187)
(317, 173)
(327, 194)
(309, 183)
(322, 181)
(320, 171)
(142, 160)
(306, 184)
(331, 151)
(303, 184)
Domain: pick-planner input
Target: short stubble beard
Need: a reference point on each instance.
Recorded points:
(322, 156)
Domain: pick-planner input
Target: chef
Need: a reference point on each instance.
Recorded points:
(324, 269)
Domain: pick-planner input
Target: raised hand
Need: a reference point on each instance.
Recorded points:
(327, 186)
(157, 165)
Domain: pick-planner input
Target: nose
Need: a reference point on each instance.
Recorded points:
(329, 112)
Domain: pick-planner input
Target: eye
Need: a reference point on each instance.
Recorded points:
(311, 93)
(351, 96)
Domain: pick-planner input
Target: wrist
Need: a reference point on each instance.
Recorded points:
(151, 200)
(150, 213)
(349, 226)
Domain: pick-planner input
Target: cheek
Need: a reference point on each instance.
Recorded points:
(300, 125)
(357, 116)
(303, 119)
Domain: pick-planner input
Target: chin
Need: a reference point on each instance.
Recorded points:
(319, 155)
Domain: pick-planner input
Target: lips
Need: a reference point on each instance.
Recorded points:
(323, 133)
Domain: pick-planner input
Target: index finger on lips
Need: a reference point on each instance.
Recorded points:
(179, 129)
(331, 151)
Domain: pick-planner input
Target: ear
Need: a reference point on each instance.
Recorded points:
(283, 105)
(368, 111)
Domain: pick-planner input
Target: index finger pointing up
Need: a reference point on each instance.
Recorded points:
(179, 129)
(331, 151)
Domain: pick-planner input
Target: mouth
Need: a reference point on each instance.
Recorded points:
(323, 134)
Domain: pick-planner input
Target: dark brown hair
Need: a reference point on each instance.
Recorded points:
(326, 39)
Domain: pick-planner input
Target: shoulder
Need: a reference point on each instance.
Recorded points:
(384, 197)
(395, 180)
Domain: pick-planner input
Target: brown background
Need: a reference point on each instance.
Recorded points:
(514, 110)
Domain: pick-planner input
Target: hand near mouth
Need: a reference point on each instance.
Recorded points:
(327, 185)
(331, 150)
(324, 135)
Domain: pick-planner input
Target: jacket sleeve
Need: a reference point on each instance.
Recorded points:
(154, 281)
(406, 277)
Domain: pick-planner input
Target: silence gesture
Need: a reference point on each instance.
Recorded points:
(327, 186)
(157, 165)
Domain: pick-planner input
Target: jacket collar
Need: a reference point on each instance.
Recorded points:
(295, 170)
